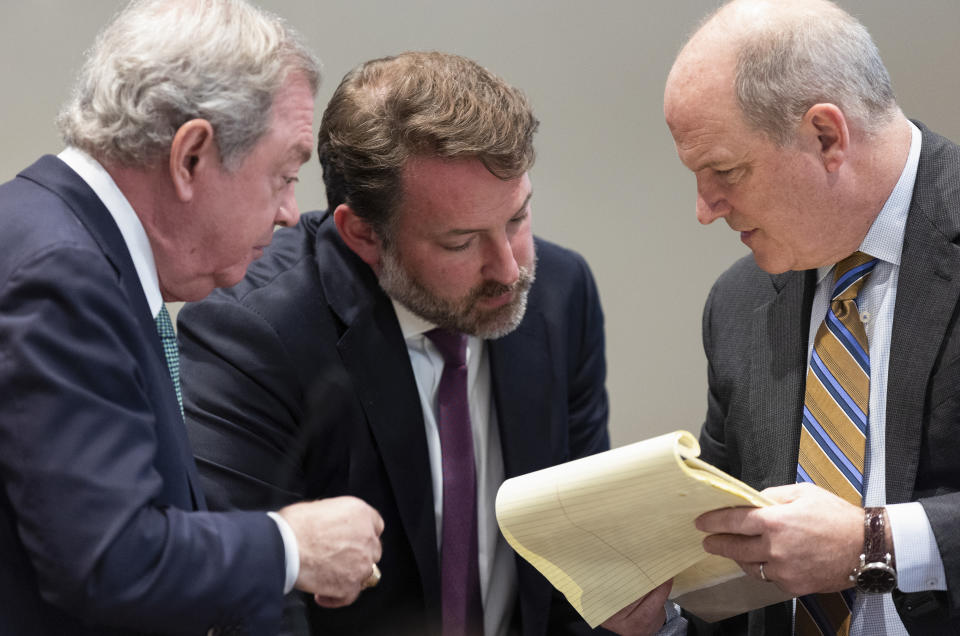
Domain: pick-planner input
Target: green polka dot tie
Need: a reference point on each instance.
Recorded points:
(169, 339)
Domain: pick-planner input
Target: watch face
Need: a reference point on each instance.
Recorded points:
(876, 578)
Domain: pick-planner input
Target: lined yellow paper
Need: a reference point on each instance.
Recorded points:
(608, 528)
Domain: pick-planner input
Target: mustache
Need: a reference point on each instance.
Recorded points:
(492, 289)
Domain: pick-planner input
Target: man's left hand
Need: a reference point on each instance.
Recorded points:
(643, 617)
(809, 542)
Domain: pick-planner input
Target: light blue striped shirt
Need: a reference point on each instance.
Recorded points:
(919, 566)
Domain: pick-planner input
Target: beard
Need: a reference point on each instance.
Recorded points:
(460, 314)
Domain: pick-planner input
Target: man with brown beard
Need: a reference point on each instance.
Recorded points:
(323, 372)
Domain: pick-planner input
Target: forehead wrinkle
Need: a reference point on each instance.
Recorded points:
(695, 147)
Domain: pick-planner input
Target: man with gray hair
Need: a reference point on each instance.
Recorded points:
(184, 137)
(832, 351)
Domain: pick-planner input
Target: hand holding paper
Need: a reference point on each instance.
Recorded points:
(609, 528)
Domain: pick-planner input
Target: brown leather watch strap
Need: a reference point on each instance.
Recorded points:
(875, 535)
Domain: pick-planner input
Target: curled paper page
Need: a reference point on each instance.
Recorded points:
(608, 528)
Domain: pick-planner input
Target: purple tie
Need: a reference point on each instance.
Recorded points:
(462, 610)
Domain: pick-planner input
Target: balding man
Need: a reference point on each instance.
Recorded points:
(833, 350)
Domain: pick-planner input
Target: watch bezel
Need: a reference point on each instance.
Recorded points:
(876, 577)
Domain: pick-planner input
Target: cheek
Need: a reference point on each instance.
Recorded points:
(523, 250)
(449, 277)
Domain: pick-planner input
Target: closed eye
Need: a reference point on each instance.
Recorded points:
(460, 247)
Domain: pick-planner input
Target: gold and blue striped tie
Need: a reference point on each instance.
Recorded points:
(835, 419)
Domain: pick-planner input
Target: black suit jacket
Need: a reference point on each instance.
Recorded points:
(99, 529)
(298, 384)
(755, 332)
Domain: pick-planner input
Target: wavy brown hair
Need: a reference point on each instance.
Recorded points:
(417, 104)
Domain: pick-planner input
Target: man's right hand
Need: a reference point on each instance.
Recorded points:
(339, 542)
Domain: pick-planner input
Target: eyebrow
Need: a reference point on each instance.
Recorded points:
(300, 153)
(522, 207)
(525, 203)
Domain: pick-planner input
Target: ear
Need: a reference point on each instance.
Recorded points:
(826, 127)
(192, 151)
(359, 235)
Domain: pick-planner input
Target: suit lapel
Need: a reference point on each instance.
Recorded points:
(526, 399)
(523, 392)
(778, 370)
(375, 356)
(927, 293)
(57, 177)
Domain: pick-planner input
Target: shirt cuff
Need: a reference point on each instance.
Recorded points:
(919, 565)
(291, 553)
(676, 625)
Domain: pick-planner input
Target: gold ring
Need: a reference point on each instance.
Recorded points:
(374, 577)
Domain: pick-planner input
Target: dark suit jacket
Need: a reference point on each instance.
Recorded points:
(755, 331)
(298, 384)
(96, 530)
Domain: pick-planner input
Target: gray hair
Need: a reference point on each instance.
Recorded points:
(161, 63)
(784, 67)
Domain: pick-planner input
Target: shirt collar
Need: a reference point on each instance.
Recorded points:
(131, 229)
(884, 240)
(411, 324)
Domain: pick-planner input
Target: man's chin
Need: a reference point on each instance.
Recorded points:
(187, 293)
(503, 320)
(769, 264)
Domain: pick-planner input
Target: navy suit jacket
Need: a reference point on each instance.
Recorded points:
(298, 384)
(98, 533)
(755, 331)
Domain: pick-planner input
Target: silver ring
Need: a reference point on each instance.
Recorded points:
(763, 577)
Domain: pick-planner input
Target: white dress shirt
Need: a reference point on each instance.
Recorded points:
(135, 238)
(498, 574)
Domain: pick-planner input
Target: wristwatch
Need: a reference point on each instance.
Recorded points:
(877, 572)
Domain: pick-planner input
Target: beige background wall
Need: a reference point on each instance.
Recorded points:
(607, 180)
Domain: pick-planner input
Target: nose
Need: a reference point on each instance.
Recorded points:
(289, 212)
(711, 205)
(501, 263)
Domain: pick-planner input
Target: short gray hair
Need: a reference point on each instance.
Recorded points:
(784, 67)
(161, 63)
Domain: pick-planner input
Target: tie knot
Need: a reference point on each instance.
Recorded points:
(850, 275)
(164, 324)
(452, 345)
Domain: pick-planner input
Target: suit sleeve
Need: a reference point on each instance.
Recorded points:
(244, 400)
(923, 611)
(79, 455)
(938, 490)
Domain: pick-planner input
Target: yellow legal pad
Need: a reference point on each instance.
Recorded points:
(608, 528)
